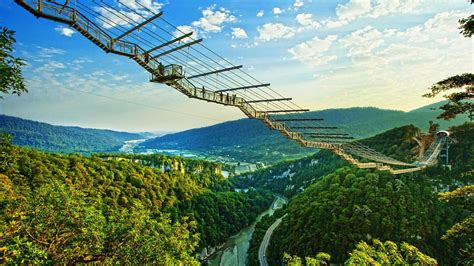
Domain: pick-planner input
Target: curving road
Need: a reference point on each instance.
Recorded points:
(266, 240)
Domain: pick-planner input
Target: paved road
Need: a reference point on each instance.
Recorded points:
(266, 240)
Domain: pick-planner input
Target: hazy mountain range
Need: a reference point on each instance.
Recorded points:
(243, 139)
(251, 140)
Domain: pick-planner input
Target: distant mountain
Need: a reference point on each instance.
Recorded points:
(63, 139)
(250, 140)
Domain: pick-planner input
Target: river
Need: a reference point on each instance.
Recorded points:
(235, 249)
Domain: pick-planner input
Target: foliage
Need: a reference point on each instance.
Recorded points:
(458, 102)
(398, 143)
(11, 78)
(461, 154)
(71, 209)
(223, 214)
(466, 25)
(292, 177)
(387, 253)
(63, 139)
(462, 231)
(378, 253)
(350, 205)
(320, 260)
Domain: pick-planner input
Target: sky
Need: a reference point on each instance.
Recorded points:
(323, 53)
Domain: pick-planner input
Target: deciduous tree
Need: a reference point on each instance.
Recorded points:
(11, 78)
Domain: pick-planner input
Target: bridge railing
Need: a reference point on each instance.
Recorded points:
(76, 19)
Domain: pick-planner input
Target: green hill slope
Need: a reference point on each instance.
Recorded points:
(62, 209)
(63, 139)
(349, 205)
(250, 140)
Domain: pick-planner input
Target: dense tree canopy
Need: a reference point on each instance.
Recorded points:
(388, 253)
(64, 139)
(60, 209)
(462, 231)
(378, 253)
(11, 78)
(349, 205)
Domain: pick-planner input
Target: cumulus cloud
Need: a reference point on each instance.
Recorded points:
(383, 7)
(306, 20)
(277, 10)
(395, 62)
(239, 33)
(370, 8)
(298, 4)
(138, 5)
(49, 67)
(272, 31)
(313, 52)
(363, 41)
(139, 9)
(48, 52)
(212, 20)
(353, 9)
(65, 31)
(183, 29)
(110, 19)
(260, 13)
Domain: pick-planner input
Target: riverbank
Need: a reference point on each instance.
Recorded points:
(234, 251)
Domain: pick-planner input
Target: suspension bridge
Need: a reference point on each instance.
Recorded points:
(181, 61)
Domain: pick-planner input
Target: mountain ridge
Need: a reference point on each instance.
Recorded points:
(250, 140)
(65, 139)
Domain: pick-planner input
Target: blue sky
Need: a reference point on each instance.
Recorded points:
(324, 54)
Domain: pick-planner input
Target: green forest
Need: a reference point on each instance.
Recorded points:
(351, 205)
(63, 139)
(74, 209)
(68, 197)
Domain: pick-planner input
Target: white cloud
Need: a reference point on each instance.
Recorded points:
(313, 52)
(363, 42)
(277, 10)
(260, 13)
(65, 31)
(183, 29)
(110, 19)
(271, 31)
(45, 52)
(239, 33)
(213, 20)
(355, 9)
(49, 67)
(298, 4)
(306, 20)
(384, 7)
(388, 65)
(137, 5)
(139, 9)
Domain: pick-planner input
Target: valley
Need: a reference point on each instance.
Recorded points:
(213, 161)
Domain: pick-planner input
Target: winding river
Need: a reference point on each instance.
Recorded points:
(235, 249)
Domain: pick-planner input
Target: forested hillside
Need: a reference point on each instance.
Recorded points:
(250, 140)
(292, 177)
(351, 205)
(58, 209)
(61, 138)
